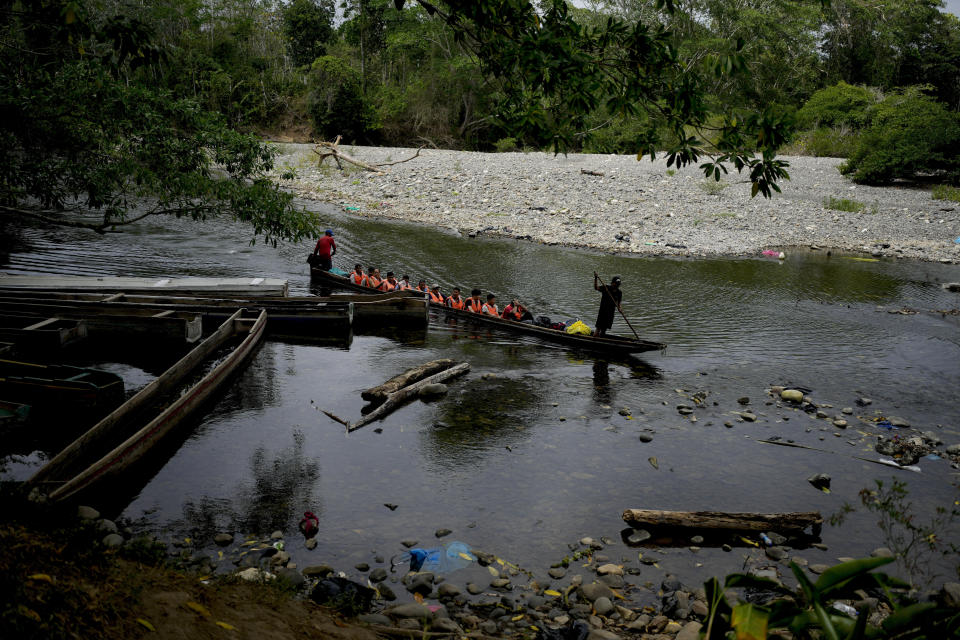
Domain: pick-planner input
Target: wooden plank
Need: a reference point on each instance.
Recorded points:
(137, 445)
(723, 520)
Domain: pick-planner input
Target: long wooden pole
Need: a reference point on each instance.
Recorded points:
(614, 300)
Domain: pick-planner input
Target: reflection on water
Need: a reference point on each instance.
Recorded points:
(529, 451)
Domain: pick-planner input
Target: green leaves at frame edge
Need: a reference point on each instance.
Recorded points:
(749, 622)
(906, 618)
(835, 576)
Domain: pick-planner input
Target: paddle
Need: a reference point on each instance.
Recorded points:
(607, 291)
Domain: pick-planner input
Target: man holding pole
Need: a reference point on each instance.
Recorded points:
(609, 302)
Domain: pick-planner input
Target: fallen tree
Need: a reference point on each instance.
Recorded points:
(379, 393)
(734, 521)
(332, 150)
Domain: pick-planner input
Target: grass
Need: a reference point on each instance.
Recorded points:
(946, 192)
(843, 204)
(726, 214)
(671, 172)
(713, 187)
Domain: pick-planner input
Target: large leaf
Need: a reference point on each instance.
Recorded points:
(843, 572)
(749, 622)
(906, 618)
(743, 580)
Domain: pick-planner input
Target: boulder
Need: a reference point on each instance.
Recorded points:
(596, 590)
(792, 395)
(223, 539)
(87, 513)
(433, 390)
(690, 631)
(410, 610)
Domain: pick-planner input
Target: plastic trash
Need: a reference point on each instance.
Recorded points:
(450, 557)
(339, 272)
(767, 542)
(845, 608)
(957, 241)
(579, 328)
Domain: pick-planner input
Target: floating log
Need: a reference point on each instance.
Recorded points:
(724, 520)
(414, 374)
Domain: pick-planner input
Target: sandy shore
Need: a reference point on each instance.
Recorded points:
(634, 207)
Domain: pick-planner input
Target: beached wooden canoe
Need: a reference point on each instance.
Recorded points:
(157, 325)
(609, 343)
(13, 413)
(116, 443)
(61, 387)
(380, 308)
(186, 286)
(33, 333)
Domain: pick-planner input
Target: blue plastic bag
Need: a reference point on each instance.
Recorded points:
(439, 560)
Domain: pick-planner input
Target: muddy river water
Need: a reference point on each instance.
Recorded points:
(537, 455)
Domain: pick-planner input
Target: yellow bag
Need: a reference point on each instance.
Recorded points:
(580, 328)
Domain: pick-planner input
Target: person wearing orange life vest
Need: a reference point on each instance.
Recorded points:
(422, 286)
(455, 301)
(390, 283)
(490, 306)
(474, 303)
(515, 311)
(357, 275)
(435, 295)
(404, 284)
(373, 279)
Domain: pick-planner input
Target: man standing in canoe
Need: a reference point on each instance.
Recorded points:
(325, 250)
(609, 301)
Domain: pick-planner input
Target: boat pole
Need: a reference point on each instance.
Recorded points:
(607, 291)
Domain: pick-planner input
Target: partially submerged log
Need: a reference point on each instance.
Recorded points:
(415, 374)
(791, 521)
(398, 397)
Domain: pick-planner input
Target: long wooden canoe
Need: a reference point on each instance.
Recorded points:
(60, 387)
(186, 286)
(57, 478)
(382, 308)
(112, 323)
(33, 333)
(609, 343)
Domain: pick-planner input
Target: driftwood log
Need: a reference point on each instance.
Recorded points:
(590, 172)
(379, 394)
(724, 520)
(397, 398)
(332, 150)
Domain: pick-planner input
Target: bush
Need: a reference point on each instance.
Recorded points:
(841, 104)
(910, 134)
(946, 192)
(826, 142)
(503, 145)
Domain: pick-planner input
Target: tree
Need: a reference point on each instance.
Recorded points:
(308, 25)
(554, 71)
(86, 142)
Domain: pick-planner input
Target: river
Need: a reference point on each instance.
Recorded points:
(529, 452)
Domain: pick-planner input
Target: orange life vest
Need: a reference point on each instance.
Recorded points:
(456, 304)
(373, 281)
(490, 310)
(403, 286)
(424, 290)
(436, 297)
(357, 278)
(386, 286)
(513, 313)
(474, 305)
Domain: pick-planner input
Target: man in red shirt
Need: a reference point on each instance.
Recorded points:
(325, 250)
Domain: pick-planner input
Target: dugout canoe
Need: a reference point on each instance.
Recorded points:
(399, 307)
(187, 286)
(608, 344)
(61, 387)
(33, 333)
(59, 480)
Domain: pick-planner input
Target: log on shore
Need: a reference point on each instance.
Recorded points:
(379, 394)
(724, 520)
(396, 398)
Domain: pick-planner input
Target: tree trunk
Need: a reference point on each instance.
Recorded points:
(414, 374)
(723, 520)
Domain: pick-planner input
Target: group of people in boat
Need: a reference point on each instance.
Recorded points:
(475, 303)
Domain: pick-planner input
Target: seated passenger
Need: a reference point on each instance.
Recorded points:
(357, 275)
(390, 283)
(373, 279)
(435, 295)
(490, 306)
(422, 286)
(515, 311)
(474, 303)
(404, 284)
(455, 301)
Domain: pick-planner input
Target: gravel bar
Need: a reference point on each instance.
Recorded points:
(633, 207)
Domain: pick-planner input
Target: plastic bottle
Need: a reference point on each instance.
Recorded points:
(439, 560)
(766, 540)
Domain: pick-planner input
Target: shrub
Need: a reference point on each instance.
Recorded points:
(713, 187)
(826, 142)
(841, 104)
(503, 145)
(910, 134)
(843, 204)
(946, 192)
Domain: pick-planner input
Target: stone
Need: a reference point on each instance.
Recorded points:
(488, 627)
(386, 592)
(696, 540)
(684, 410)
(557, 573)
(501, 583)
(409, 543)
(311, 543)
(898, 422)
(276, 535)
(595, 622)
(408, 623)
(950, 595)
(107, 526)
(847, 411)
(743, 400)
(613, 581)
(374, 618)
(291, 576)
(602, 634)
(700, 608)
(445, 625)
(820, 480)
(378, 575)
(603, 606)
(223, 539)
(587, 541)
(610, 569)
(638, 536)
(819, 568)
(690, 631)
(748, 416)
(673, 628)
(433, 390)
(864, 402)
(954, 450)
(113, 540)
(280, 559)
(791, 395)
(442, 532)
(881, 552)
(317, 571)
(645, 437)
(474, 589)
(596, 590)
(87, 513)
(840, 424)
(409, 610)
(776, 553)
(421, 583)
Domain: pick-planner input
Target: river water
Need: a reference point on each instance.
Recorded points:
(536, 455)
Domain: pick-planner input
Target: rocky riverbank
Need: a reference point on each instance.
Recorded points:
(615, 203)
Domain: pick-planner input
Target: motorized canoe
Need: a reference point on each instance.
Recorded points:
(115, 443)
(64, 388)
(609, 343)
(380, 308)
